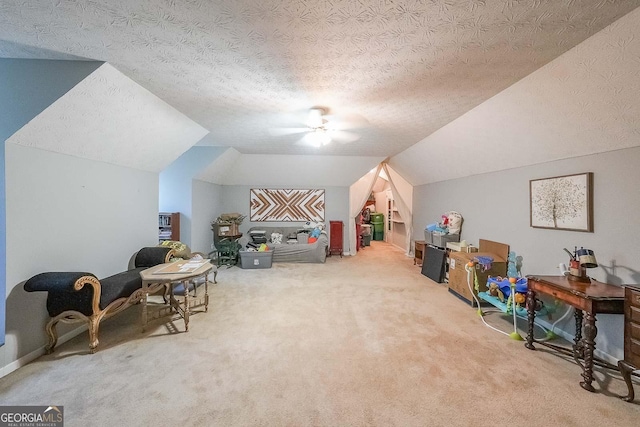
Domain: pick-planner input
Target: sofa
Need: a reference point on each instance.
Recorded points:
(315, 252)
(82, 297)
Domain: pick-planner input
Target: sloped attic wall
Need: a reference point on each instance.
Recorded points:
(178, 193)
(587, 101)
(25, 90)
(93, 204)
(110, 118)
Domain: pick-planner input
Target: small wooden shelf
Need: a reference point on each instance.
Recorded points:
(418, 252)
(168, 226)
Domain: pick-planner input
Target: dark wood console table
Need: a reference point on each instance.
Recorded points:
(591, 298)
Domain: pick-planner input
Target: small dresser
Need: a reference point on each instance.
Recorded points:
(631, 360)
(336, 233)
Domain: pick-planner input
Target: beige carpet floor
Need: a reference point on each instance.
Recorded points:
(358, 341)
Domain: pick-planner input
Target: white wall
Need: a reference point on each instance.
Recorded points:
(235, 198)
(176, 188)
(278, 171)
(67, 214)
(495, 206)
(207, 206)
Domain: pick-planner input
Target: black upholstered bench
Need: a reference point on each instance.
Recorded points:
(70, 300)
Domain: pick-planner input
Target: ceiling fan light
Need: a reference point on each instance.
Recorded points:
(315, 118)
(318, 137)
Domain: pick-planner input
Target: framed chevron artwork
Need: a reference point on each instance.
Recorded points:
(270, 205)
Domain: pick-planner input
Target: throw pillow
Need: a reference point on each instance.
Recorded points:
(180, 249)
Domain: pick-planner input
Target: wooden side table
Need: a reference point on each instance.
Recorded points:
(171, 274)
(418, 252)
(588, 299)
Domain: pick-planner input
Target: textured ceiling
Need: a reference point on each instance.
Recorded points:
(237, 67)
(585, 102)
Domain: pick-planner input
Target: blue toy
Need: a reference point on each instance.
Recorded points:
(505, 286)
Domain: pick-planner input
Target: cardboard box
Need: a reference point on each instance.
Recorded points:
(228, 229)
(254, 259)
(456, 247)
(458, 274)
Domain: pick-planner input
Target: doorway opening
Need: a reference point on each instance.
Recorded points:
(381, 204)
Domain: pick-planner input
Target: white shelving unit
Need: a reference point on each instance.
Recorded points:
(395, 229)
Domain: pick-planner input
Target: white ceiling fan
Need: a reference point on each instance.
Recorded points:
(320, 129)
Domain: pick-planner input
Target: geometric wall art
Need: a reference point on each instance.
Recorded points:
(562, 202)
(286, 205)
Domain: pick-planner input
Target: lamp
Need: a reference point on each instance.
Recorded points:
(581, 259)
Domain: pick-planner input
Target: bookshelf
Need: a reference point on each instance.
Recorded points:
(168, 226)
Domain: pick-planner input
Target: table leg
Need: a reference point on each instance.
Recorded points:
(578, 317)
(206, 292)
(626, 370)
(145, 294)
(590, 332)
(531, 316)
(185, 285)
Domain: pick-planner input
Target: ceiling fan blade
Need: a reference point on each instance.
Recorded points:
(343, 137)
(307, 141)
(287, 131)
(347, 121)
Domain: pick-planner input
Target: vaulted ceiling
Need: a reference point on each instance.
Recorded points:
(240, 68)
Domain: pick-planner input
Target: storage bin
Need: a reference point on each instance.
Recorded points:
(255, 259)
(377, 218)
(428, 237)
(440, 240)
(378, 235)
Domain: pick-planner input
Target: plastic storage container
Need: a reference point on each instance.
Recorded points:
(377, 218)
(439, 240)
(428, 237)
(255, 259)
(377, 221)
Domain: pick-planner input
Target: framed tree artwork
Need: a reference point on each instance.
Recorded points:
(562, 202)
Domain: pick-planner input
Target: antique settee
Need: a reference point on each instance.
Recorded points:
(82, 297)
